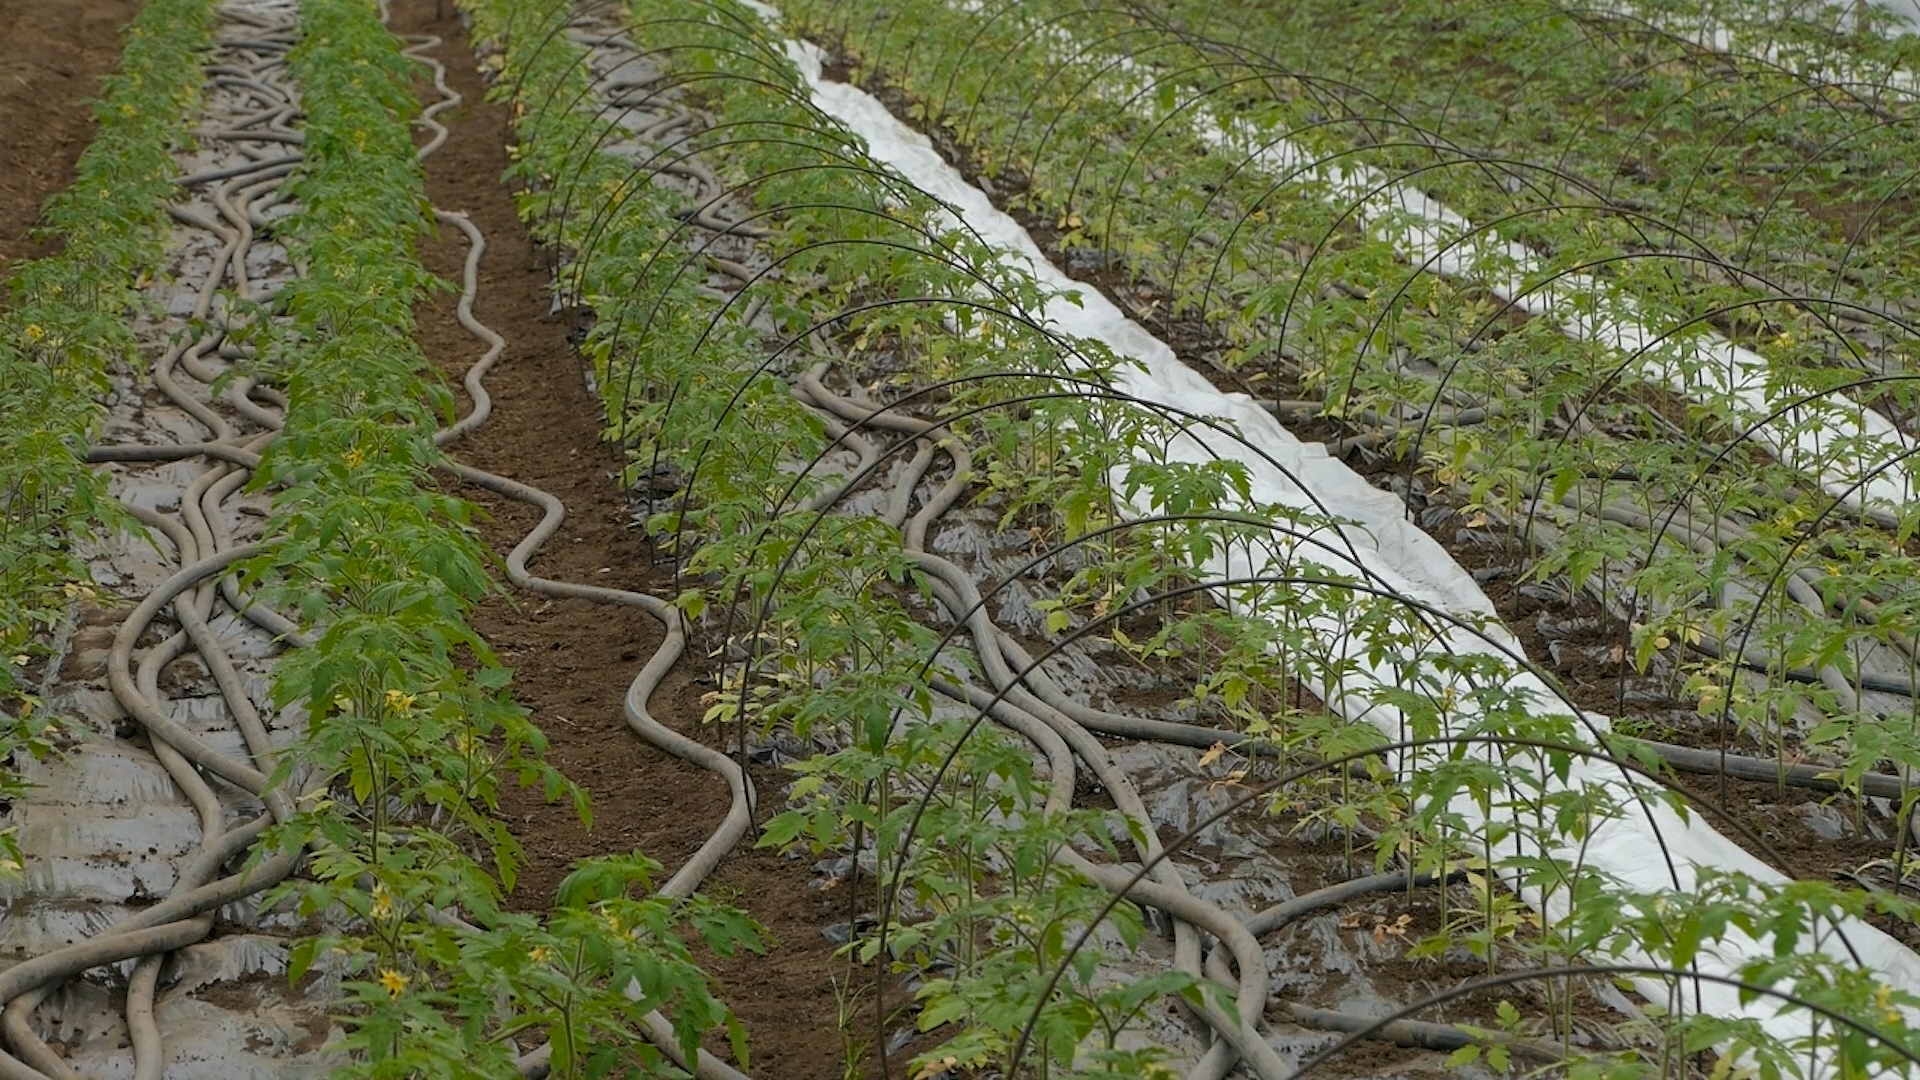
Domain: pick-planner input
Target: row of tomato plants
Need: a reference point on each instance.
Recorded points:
(1799, 178)
(919, 34)
(1171, 75)
(1508, 181)
(410, 726)
(1793, 173)
(1791, 169)
(63, 329)
(1152, 101)
(1870, 42)
(1341, 305)
(688, 386)
(1739, 266)
(682, 383)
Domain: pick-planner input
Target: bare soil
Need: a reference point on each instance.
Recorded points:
(572, 660)
(54, 55)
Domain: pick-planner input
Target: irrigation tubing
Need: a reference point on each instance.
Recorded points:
(1024, 712)
(1019, 695)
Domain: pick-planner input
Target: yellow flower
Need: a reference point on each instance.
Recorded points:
(382, 902)
(613, 921)
(537, 954)
(34, 333)
(1883, 997)
(399, 702)
(392, 981)
(354, 457)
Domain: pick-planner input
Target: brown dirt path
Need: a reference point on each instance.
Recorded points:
(54, 54)
(572, 660)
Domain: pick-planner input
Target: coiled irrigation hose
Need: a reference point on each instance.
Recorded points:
(1030, 704)
(200, 541)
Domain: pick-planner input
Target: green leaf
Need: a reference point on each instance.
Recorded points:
(784, 828)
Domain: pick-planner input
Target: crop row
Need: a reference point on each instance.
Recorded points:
(1870, 43)
(865, 281)
(1315, 156)
(1783, 191)
(380, 821)
(1552, 241)
(1693, 537)
(685, 384)
(847, 652)
(412, 727)
(63, 324)
(1788, 174)
(834, 373)
(922, 22)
